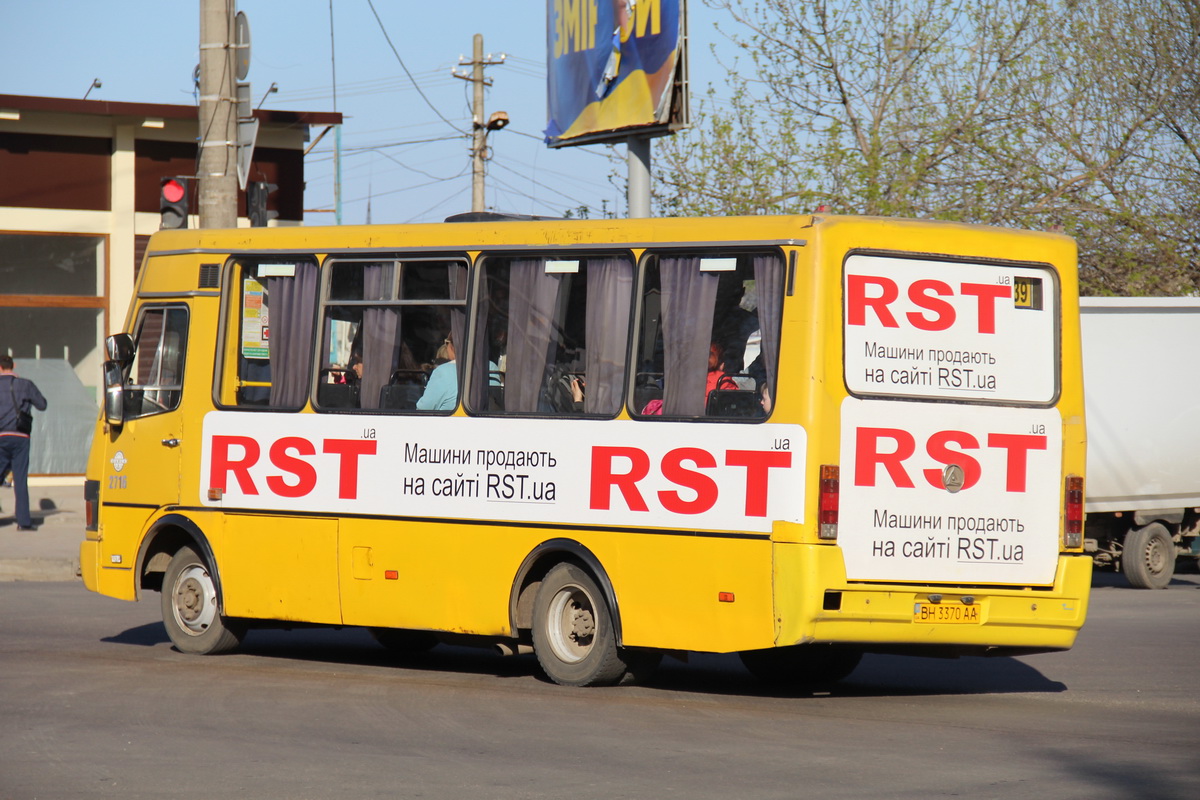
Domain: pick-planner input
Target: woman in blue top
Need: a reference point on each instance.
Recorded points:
(441, 390)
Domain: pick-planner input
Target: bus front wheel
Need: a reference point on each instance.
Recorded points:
(573, 634)
(191, 612)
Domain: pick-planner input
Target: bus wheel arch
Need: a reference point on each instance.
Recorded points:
(564, 602)
(538, 564)
(176, 560)
(166, 536)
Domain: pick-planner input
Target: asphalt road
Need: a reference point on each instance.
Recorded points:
(94, 702)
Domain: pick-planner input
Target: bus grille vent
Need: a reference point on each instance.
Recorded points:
(210, 276)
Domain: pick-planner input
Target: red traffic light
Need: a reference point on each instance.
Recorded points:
(173, 203)
(173, 191)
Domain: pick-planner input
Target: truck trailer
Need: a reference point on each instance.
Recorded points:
(1142, 400)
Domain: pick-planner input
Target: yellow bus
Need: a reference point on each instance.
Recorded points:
(798, 439)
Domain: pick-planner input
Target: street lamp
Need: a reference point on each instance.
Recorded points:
(498, 120)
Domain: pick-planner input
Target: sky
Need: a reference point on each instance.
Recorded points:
(405, 151)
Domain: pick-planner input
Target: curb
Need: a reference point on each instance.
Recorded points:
(39, 569)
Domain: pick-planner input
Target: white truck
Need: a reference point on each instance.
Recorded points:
(1141, 368)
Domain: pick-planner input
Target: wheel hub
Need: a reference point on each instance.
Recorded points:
(1155, 558)
(195, 600)
(583, 624)
(190, 600)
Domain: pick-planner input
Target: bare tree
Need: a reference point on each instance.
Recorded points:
(1030, 113)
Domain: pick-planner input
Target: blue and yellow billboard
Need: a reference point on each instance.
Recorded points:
(612, 67)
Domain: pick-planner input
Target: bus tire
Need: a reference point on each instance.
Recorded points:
(802, 665)
(573, 634)
(190, 608)
(1148, 557)
(404, 642)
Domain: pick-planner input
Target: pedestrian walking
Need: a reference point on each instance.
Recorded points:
(17, 397)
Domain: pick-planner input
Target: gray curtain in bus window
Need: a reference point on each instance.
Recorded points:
(380, 339)
(688, 299)
(458, 314)
(458, 318)
(477, 387)
(609, 289)
(533, 298)
(292, 308)
(768, 286)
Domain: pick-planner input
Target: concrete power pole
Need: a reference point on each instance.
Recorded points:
(480, 135)
(218, 118)
(481, 127)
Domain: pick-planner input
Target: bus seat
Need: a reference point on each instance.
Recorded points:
(733, 403)
(643, 395)
(495, 398)
(337, 395)
(403, 396)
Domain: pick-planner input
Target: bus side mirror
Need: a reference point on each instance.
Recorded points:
(114, 391)
(119, 348)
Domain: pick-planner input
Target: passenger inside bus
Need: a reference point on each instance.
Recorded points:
(729, 300)
(717, 378)
(441, 391)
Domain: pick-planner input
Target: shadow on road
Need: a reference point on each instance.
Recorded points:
(876, 676)
(146, 635)
(1185, 576)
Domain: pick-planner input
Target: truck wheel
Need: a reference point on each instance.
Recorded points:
(191, 612)
(802, 665)
(1148, 557)
(573, 633)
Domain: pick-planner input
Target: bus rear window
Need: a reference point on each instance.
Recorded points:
(947, 330)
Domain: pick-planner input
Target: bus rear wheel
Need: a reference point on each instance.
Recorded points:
(573, 634)
(813, 665)
(190, 609)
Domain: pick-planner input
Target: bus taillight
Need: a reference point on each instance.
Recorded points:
(1073, 513)
(91, 505)
(828, 509)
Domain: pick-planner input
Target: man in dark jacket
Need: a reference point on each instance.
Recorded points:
(17, 397)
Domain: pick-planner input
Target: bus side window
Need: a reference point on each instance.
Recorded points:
(708, 335)
(551, 334)
(275, 313)
(388, 325)
(156, 374)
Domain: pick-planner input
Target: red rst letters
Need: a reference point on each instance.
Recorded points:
(868, 456)
(758, 464)
(877, 293)
(281, 457)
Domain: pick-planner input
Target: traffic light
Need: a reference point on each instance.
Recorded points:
(256, 203)
(173, 203)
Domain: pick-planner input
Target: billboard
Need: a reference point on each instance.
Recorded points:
(614, 67)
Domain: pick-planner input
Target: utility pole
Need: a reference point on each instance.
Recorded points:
(637, 162)
(480, 128)
(218, 139)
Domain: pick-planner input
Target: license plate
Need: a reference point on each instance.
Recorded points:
(943, 614)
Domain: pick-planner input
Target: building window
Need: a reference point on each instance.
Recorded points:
(52, 298)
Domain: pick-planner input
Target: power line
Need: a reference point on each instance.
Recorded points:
(405, 68)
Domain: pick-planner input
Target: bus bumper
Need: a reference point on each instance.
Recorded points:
(89, 564)
(996, 620)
